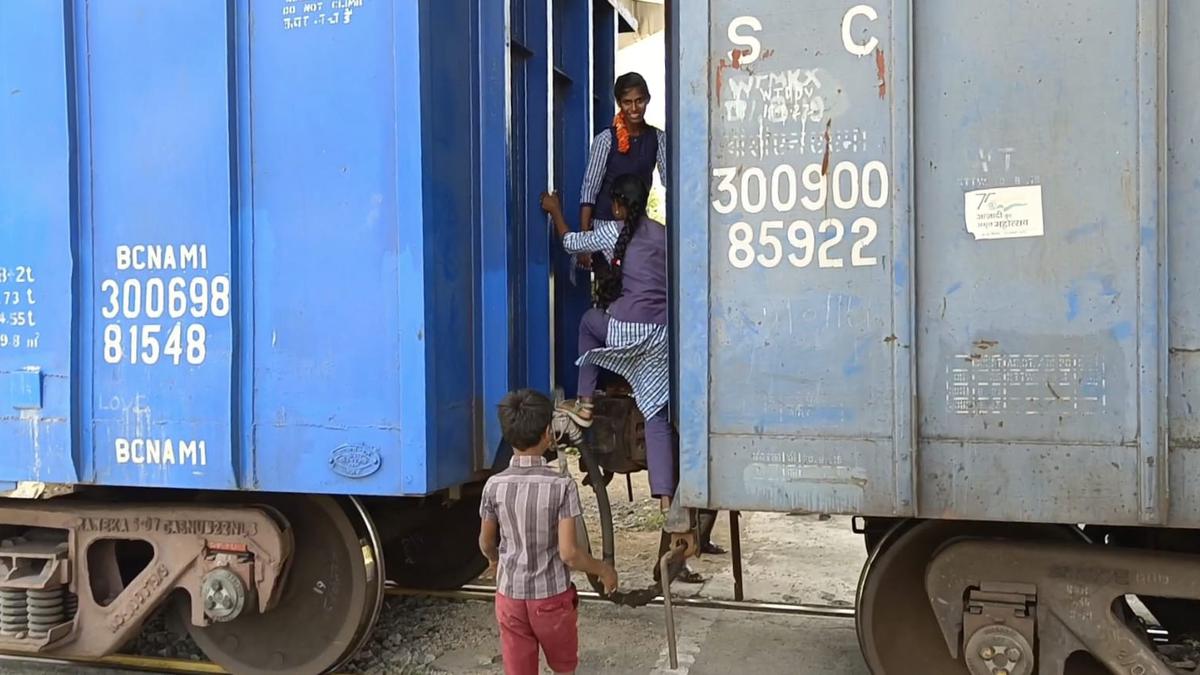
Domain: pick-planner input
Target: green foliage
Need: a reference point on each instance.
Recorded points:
(656, 206)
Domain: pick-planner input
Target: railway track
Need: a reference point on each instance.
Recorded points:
(146, 664)
(115, 663)
(827, 611)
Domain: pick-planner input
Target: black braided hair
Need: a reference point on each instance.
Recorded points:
(632, 194)
(627, 82)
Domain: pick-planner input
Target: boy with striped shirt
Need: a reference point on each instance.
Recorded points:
(527, 533)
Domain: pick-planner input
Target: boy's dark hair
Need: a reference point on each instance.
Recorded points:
(524, 416)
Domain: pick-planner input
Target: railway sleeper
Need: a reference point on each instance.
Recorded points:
(998, 601)
(69, 588)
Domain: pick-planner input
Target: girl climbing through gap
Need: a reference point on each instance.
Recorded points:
(627, 333)
(628, 147)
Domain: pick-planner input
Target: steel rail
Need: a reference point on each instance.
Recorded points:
(172, 666)
(821, 611)
(126, 662)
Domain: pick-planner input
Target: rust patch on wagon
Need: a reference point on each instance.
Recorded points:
(721, 66)
(735, 62)
(828, 149)
(881, 72)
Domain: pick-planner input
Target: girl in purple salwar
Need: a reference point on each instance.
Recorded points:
(628, 336)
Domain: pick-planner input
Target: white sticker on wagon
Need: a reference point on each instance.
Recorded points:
(1005, 213)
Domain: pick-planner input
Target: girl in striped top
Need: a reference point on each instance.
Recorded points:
(629, 146)
(628, 335)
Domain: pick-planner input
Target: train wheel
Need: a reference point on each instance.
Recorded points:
(897, 630)
(332, 596)
(875, 531)
(441, 552)
(369, 537)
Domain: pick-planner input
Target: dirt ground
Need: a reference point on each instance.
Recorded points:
(785, 558)
(620, 641)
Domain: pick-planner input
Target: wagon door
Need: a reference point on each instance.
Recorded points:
(157, 162)
(794, 255)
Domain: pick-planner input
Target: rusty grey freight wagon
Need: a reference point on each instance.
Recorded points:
(936, 264)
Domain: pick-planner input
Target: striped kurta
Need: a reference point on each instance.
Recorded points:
(528, 499)
(602, 238)
(640, 353)
(606, 231)
(593, 176)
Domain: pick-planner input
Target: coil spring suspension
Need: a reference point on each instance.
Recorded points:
(71, 605)
(46, 610)
(14, 615)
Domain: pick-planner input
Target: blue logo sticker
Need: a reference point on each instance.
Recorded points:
(355, 461)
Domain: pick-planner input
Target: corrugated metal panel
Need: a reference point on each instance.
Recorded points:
(277, 246)
(37, 248)
(574, 71)
(1183, 215)
(928, 265)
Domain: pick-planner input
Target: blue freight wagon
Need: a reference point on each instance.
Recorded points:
(936, 269)
(266, 268)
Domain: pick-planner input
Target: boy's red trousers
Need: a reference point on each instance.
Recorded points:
(550, 623)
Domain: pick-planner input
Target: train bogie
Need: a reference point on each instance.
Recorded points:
(79, 577)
